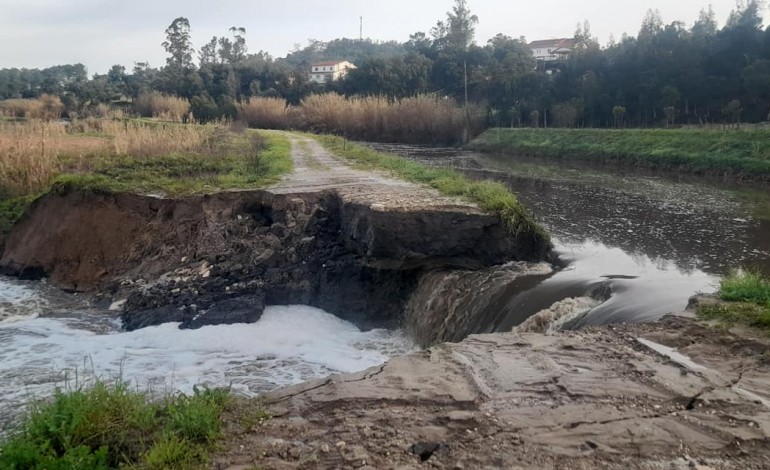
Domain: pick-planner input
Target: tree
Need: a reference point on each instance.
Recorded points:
(651, 25)
(618, 113)
(534, 119)
(178, 44)
(208, 53)
(457, 33)
(733, 112)
(706, 25)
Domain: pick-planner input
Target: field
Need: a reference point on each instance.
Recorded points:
(139, 156)
(740, 154)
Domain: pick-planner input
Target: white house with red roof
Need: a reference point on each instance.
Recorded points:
(330, 71)
(548, 50)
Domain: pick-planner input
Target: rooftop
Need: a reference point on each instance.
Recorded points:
(562, 42)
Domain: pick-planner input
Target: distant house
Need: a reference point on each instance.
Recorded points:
(549, 50)
(324, 72)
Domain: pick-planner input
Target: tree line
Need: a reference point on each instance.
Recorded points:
(666, 75)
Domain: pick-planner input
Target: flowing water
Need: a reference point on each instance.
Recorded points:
(651, 240)
(648, 241)
(49, 339)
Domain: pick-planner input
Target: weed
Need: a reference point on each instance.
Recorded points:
(110, 425)
(746, 300)
(170, 452)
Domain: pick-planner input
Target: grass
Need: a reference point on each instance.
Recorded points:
(10, 211)
(111, 426)
(247, 161)
(743, 154)
(491, 196)
(746, 301)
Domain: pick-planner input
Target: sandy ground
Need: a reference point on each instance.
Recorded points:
(668, 395)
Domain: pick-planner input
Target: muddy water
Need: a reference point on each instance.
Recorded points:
(51, 339)
(649, 241)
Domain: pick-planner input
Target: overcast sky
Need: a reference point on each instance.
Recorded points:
(100, 33)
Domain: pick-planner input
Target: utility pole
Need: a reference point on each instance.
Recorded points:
(465, 66)
(361, 29)
(467, 130)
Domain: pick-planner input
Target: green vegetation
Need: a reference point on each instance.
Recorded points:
(740, 154)
(489, 195)
(112, 426)
(746, 300)
(10, 211)
(250, 160)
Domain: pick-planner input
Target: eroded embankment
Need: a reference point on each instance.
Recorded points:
(354, 243)
(220, 258)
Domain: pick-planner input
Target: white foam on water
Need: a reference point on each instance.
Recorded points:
(287, 345)
(18, 301)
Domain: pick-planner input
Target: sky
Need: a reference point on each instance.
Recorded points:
(101, 33)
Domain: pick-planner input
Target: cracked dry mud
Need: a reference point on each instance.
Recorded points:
(607, 397)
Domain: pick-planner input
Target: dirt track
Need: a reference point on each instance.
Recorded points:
(600, 398)
(315, 169)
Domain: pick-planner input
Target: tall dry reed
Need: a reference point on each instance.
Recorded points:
(421, 119)
(32, 152)
(162, 106)
(46, 107)
(265, 113)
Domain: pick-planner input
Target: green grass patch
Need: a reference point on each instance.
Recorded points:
(11, 210)
(745, 299)
(745, 286)
(491, 196)
(744, 154)
(112, 426)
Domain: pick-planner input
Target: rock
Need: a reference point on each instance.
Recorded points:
(244, 309)
(426, 450)
(133, 320)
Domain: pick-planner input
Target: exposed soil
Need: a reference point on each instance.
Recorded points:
(354, 243)
(598, 398)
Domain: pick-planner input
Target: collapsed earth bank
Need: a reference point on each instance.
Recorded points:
(220, 258)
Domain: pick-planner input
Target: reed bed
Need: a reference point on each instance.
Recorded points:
(162, 106)
(421, 119)
(33, 152)
(46, 107)
(266, 113)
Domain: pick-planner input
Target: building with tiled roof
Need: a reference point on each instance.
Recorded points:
(329, 71)
(548, 50)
